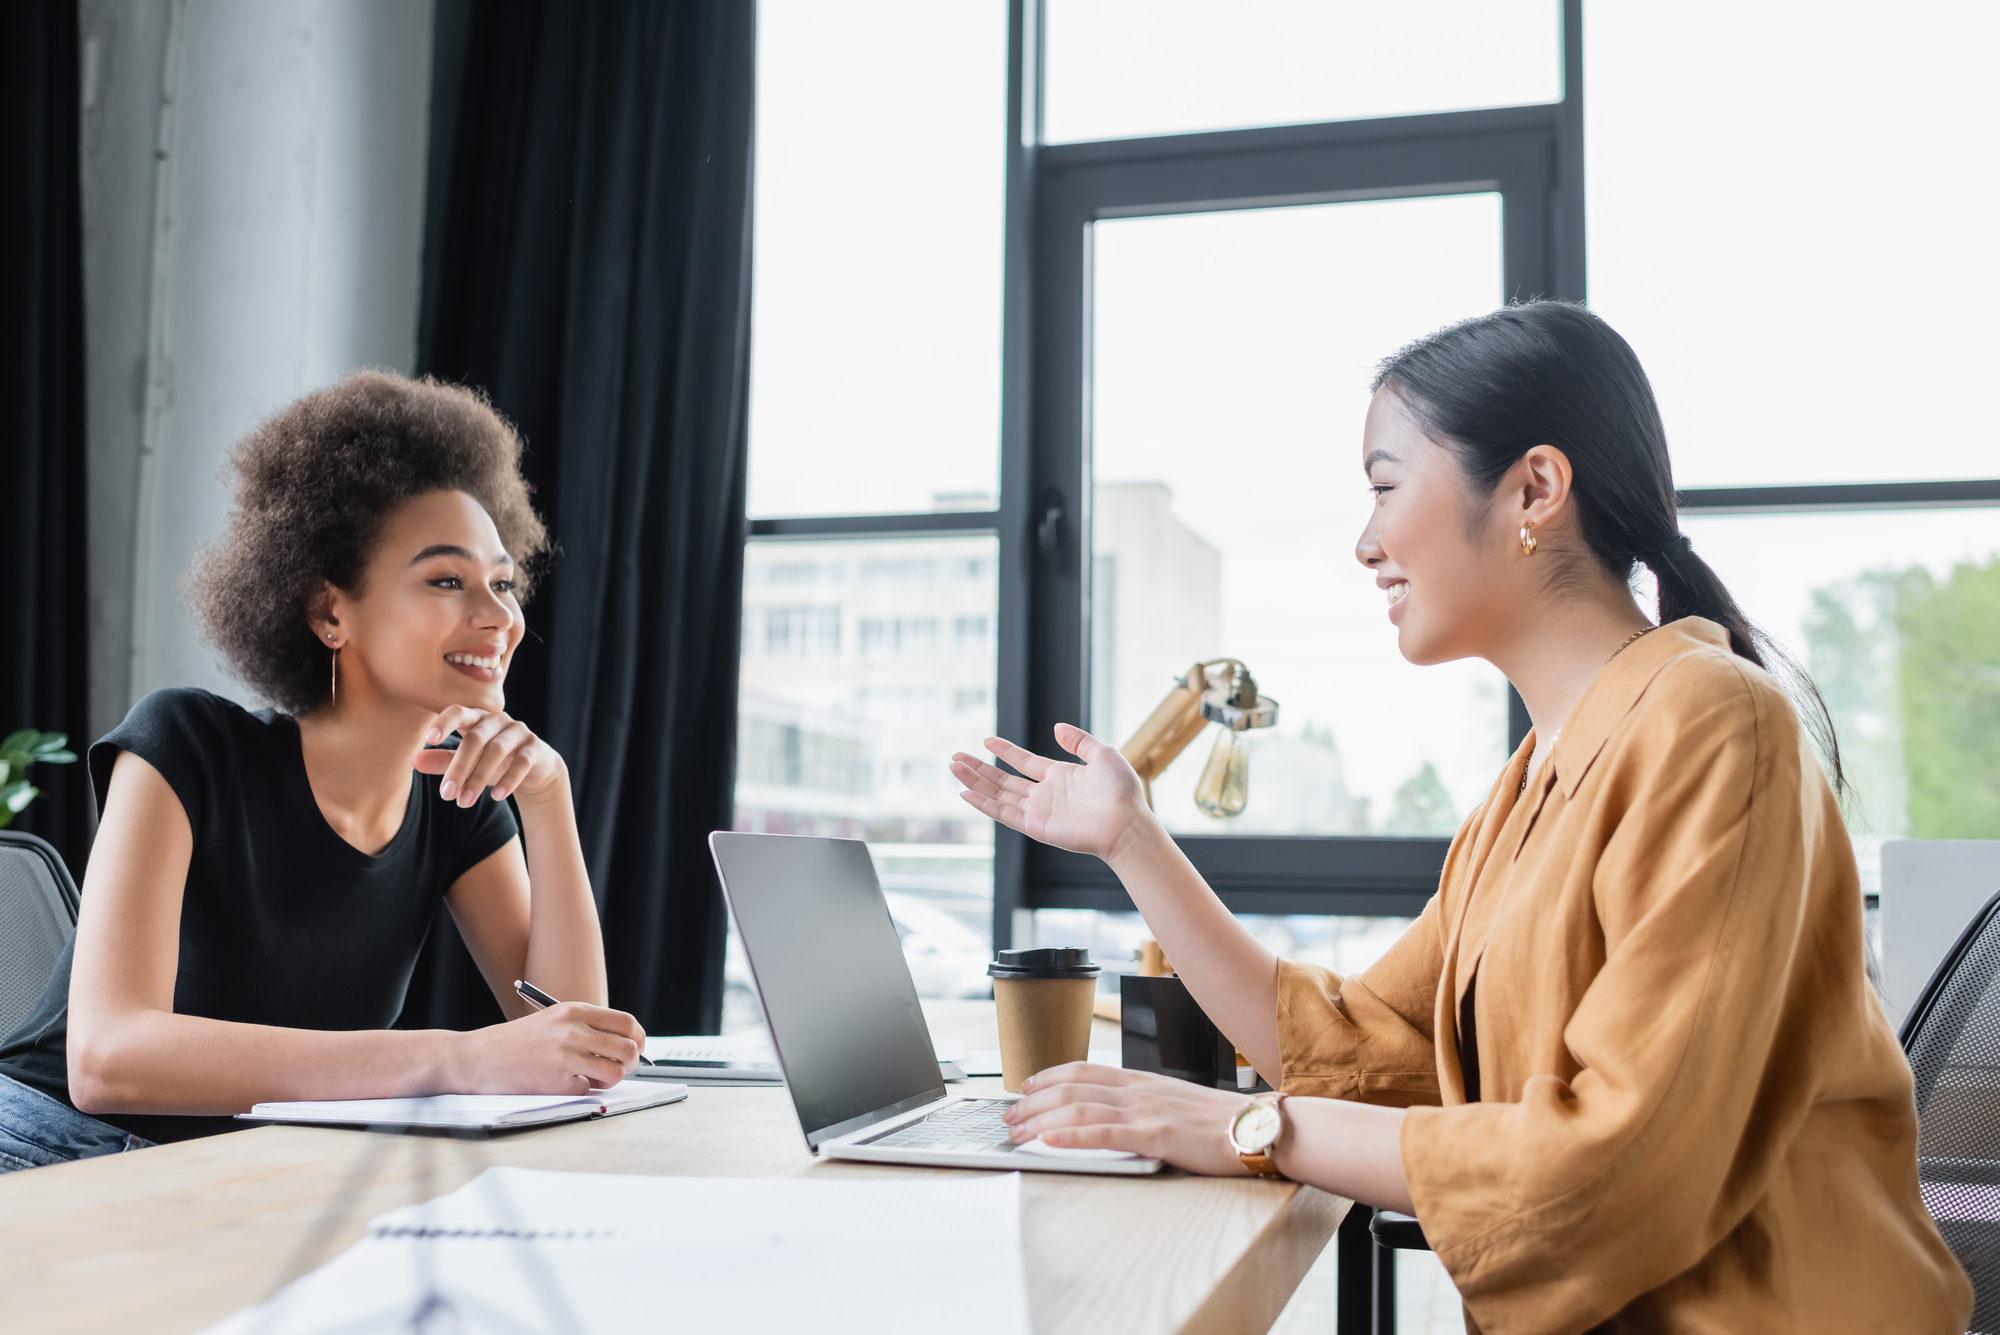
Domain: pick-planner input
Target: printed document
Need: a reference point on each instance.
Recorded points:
(519, 1250)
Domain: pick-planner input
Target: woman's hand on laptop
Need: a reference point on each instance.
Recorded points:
(1092, 808)
(1083, 1106)
(570, 1048)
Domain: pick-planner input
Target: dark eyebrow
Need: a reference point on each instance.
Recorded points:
(1378, 456)
(453, 549)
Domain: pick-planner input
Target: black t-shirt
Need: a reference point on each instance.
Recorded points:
(283, 922)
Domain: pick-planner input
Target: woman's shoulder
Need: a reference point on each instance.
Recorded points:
(200, 742)
(1706, 675)
(190, 713)
(1704, 694)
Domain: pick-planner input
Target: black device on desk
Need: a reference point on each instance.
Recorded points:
(1164, 1031)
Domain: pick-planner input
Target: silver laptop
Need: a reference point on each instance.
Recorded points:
(844, 1017)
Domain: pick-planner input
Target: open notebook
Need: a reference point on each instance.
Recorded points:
(480, 1112)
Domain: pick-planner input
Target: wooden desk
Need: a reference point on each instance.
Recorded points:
(173, 1238)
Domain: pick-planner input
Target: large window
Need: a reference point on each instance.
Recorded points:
(1790, 220)
(1820, 355)
(881, 178)
(871, 618)
(1227, 348)
(1083, 295)
(1123, 68)
(1205, 307)
(1054, 382)
(1065, 311)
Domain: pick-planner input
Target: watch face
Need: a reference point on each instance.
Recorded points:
(1256, 1127)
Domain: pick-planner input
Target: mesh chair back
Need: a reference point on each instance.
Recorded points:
(37, 918)
(1952, 1036)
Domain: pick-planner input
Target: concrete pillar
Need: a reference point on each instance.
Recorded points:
(254, 177)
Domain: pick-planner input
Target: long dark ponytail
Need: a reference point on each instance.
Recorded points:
(1551, 373)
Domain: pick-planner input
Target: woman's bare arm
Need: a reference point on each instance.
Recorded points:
(1228, 971)
(129, 1052)
(533, 916)
(524, 915)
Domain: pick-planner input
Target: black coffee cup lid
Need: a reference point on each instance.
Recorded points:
(1044, 962)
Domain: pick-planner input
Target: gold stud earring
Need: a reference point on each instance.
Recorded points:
(1528, 538)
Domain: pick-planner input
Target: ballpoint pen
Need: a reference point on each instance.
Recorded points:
(541, 1001)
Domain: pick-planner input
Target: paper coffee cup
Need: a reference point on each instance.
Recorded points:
(1043, 997)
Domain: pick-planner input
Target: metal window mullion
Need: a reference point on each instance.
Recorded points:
(1014, 633)
(1835, 496)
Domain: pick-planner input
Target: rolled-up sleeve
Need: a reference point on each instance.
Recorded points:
(1366, 1037)
(1554, 1211)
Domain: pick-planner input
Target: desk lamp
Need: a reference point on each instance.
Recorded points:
(1219, 691)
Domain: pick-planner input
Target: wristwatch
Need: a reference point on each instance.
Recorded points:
(1254, 1133)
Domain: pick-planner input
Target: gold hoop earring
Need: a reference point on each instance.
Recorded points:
(333, 694)
(1528, 538)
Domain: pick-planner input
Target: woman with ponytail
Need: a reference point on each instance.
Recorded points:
(1627, 1067)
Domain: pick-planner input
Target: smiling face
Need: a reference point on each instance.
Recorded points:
(435, 621)
(1438, 552)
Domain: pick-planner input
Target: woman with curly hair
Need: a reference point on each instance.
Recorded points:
(262, 880)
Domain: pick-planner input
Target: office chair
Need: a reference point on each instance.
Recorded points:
(1952, 1036)
(37, 918)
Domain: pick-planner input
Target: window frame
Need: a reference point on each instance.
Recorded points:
(1531, 155)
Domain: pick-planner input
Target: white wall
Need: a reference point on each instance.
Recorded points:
(254, 178)
(1931, 891)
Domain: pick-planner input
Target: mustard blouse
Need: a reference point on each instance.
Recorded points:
(1694, 1114)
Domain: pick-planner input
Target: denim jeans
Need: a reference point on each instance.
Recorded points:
(36, 1130)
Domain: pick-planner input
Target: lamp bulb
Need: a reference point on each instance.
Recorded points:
(1224, 787)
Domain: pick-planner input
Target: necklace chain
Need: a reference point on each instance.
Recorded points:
(1629, 639)
(1628, 642)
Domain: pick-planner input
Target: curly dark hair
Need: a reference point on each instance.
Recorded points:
(314, 483)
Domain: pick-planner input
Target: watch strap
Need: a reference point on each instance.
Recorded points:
(1260, 1162)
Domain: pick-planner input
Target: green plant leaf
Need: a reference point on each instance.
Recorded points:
(57, 758)
(16, 796)
(23, 741)
(50, 744)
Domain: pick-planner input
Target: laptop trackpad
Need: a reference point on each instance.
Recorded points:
(1046, 1150)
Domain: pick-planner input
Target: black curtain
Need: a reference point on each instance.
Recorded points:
(44, 669)
(588, 265)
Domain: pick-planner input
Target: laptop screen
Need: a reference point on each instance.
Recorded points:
(837, 993)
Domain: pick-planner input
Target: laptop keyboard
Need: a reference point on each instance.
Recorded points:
(971, 1124)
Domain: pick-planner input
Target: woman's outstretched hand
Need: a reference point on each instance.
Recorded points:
(1094, 807)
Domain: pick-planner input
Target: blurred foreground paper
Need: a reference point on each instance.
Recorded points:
(522, 1252)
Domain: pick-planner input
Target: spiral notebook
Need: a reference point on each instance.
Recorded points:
(472, 1112)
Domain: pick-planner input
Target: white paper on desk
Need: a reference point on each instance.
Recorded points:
(746, 1045)
(986, 1061)
(518, 1250)
(743, 1057)
(749, 1045)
